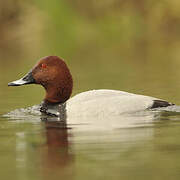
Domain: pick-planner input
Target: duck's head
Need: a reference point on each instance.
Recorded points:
(53, 74)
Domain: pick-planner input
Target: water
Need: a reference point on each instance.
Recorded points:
(37, 149)
(107, 45)
(141, 145)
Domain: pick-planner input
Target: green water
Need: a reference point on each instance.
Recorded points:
(127, 46)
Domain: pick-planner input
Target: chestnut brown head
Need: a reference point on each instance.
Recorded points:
(53, 74)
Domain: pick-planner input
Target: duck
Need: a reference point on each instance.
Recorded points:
(53, 74)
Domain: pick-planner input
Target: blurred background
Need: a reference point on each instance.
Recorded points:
(113, 44)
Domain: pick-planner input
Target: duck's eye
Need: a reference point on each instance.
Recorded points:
(43, 66)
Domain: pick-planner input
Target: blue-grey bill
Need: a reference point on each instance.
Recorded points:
(27, 79)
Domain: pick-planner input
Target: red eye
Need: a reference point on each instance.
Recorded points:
(43, 66)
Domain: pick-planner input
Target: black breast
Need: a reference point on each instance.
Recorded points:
(160, 103)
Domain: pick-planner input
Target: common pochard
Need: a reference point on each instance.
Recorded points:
(53, 74)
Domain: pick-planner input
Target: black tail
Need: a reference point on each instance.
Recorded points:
(160, 103)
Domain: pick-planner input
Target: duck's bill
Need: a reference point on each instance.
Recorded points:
(27, 79)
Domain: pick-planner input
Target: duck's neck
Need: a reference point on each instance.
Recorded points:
(59, 89)
(56, 95)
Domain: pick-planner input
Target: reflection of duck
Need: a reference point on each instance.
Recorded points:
(56, 133)
(56, 156)
(53, 74)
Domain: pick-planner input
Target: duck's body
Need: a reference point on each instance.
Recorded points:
(107, 102)
(103, 103)
(53, 74)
